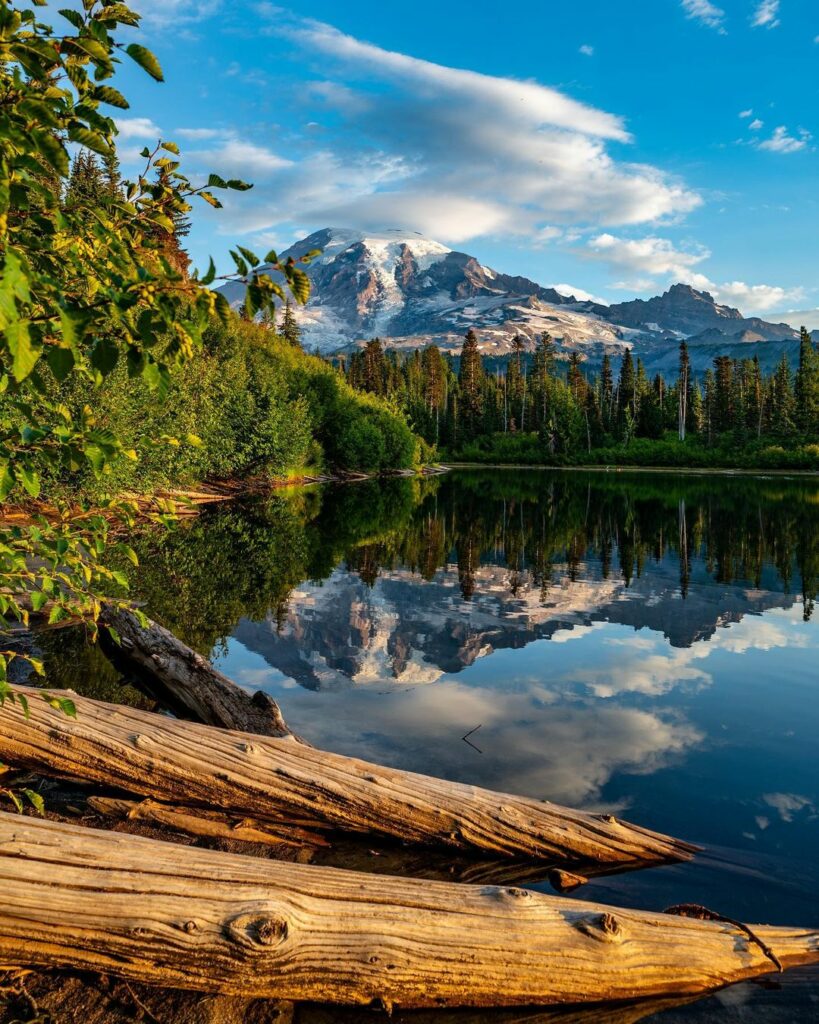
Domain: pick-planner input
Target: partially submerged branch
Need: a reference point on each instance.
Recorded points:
(186, 681)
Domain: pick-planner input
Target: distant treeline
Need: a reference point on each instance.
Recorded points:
(538, 409)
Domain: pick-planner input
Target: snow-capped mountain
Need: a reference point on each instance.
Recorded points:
(411, 291)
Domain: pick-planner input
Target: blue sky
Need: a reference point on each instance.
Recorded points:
(610, 147)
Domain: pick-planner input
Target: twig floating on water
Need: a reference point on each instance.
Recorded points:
(471, 733)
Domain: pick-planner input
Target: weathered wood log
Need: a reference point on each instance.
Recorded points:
(205, 823)
(259, 777)
(187, 681)
(196, 919)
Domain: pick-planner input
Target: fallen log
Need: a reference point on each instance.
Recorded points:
(206, 824)
(186, 681)
(263, 778)
(182, 917)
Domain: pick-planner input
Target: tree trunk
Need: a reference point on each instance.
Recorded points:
(186, 681)
(265, 778)
(188, 918)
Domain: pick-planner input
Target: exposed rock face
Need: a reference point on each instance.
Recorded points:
(684, 310)
(413, 292)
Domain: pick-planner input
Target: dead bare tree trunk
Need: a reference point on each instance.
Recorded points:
(184, 763)
(188, 918)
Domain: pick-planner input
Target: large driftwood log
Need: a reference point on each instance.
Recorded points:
(187, 681)
(196, 919)
(259, 777)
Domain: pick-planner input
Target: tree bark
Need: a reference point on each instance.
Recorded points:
(206, 824)
(186, 681)
(279, 779)
(195, 919)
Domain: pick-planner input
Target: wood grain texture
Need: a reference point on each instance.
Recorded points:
(182, 917)
(207, 824)
(186, 681)
(184, 763)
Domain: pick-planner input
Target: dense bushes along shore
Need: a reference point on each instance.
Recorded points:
(251, 405)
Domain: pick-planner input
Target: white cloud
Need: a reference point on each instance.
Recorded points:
(450, 152)
(787, 804)
(663, 259)
(706, 12)
(756, 124)
(580, 294)
(746, 113)
(650, 255)
(525, 101)
(236, 156)
(160, 13)
(586, 50)
(799, 318)
(783, 142)
(199, 133)
(137, 128)
(756, 298)
(766, 14)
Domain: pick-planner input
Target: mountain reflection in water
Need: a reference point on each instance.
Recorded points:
(637, 642)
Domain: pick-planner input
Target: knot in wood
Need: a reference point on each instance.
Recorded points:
(247, 748)
(141, 741)
(603, 927)
(609, 818)
(257, 931)
(517, 894)
(190, 927)
(159, 661)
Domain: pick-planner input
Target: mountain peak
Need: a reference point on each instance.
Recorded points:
(412, 291)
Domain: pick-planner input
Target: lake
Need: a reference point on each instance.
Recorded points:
(639, 643)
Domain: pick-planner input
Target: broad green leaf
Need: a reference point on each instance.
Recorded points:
(24, 350)
(146, 60)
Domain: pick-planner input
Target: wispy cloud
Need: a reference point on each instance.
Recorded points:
(706, 13)
(199, 133)
(783, 142)
(587, 50)
(766, 14)
(160, 13)
(450, 152)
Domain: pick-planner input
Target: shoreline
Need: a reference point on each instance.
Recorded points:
(677, 470)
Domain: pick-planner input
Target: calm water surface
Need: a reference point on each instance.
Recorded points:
(643, 644)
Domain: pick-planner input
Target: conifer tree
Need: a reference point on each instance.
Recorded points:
(782, 399)
(289, 328)
(606, 393)
(470, 379)
(806, 392)
(626, 391)
(683, 391)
